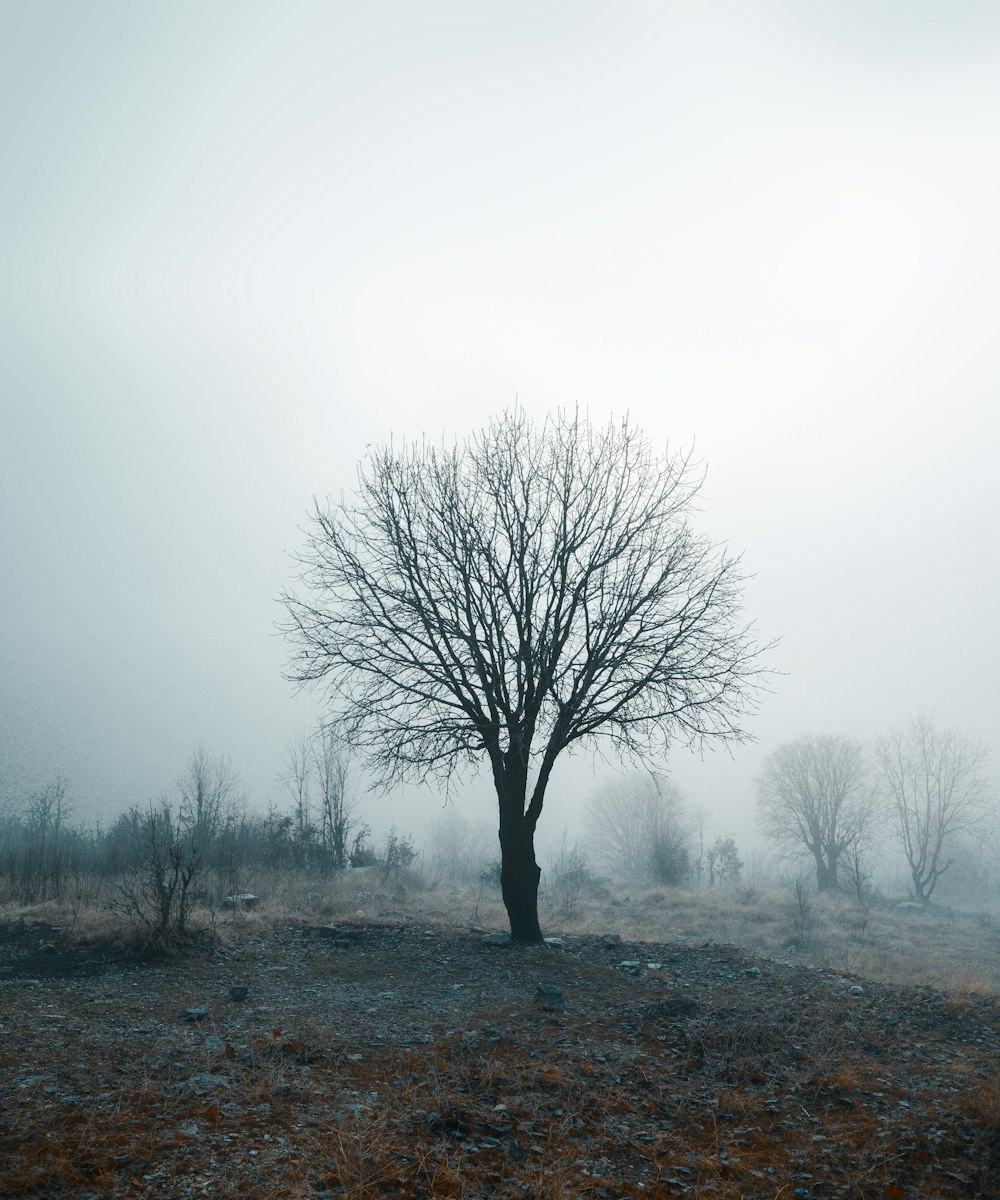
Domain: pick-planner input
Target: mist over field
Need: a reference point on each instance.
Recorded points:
(245, 245)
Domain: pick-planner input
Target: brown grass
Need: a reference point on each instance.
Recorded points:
(739, 1095)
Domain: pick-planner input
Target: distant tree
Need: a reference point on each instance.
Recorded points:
(331, 760)
(637, 829)
(505, 600)
(296, 775)
(699, 814)
(458, 849)
(935, 784)
(814, 794)
(207, 787)
(723, 861)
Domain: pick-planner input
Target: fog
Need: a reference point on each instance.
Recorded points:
(243, 242)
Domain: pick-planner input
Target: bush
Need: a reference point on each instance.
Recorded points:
(158, 894)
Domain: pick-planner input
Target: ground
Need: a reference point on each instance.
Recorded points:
(394, 1059)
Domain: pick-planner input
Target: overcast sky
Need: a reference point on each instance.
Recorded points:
(240, 242)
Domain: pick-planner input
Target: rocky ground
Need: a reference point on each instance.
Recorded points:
(394, 1060)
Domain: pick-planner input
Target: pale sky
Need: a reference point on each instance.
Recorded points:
(240, 242)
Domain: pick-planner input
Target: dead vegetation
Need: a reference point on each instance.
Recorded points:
(407, 1058)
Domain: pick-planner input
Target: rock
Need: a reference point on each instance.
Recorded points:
(341, 933)
(495, 939)
(200, 1084)
(554, 942)
(857, 990)
(611, 939)
(244, 900)
(630, 966)
(753, 971)
(17, 928)
(236, 994)
(47, 948)
(549, 997)
(195, 1014)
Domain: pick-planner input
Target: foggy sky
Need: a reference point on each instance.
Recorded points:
(240, 242)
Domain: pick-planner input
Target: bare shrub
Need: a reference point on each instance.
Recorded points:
(156, 895)
(569, 880)
(801, 912)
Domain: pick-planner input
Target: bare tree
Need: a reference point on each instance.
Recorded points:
(331, 760)
(699, 814)
(637, 829)
(296, 776)
(207, 786)
(40, 865)
(528, 591)
(936, 787)
(459, 849)
(814, 795)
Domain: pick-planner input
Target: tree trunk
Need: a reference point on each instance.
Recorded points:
(519, 876)
(920, 887)
(827, 879)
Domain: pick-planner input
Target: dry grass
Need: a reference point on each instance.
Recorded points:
(698, 1080)
(938, 948)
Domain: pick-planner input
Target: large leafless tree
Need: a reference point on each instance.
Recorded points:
(530, 590)
(814, 795)
(936, 786)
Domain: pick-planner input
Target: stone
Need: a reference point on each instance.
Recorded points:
(496, 939)
(201, 1083)
(239, 993)
(857, 990)
(754, 971)
(554, 942)
(630, 966)
(195, 1014)
(243, 900)
(341, 933)
(549, 997)
(611, 939)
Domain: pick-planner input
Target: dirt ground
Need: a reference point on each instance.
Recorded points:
(394, 1060)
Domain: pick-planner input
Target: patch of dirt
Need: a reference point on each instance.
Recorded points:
(387, 1060)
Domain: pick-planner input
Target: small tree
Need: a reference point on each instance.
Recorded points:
(43, 860)
(723, 861)
(296, 776)
(514, 597)
(207, 787)
(331, 759)
(935, 784)
(814, 795)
